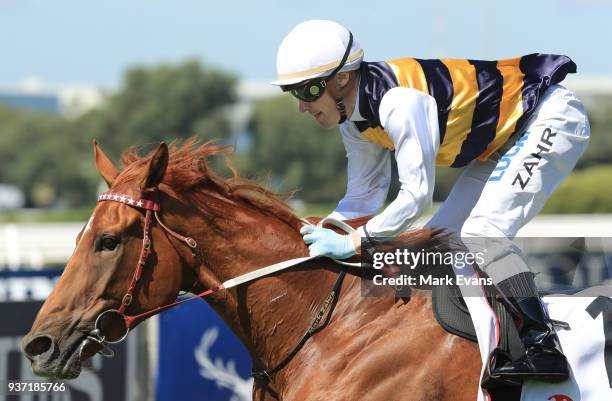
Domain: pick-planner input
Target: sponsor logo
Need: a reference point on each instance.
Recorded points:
(523, 177)
(225, 375)
(504, 162)
(559, 397)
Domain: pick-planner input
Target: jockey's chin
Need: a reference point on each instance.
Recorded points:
(323, 110)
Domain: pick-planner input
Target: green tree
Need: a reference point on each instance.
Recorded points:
(49, 157)
(165, 103)
(600, 146)
(296, 151)
(42, 154)
(584, 191)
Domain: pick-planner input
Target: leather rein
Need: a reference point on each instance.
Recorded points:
(152, 208)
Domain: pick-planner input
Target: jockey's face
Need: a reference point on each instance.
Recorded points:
(323, 110)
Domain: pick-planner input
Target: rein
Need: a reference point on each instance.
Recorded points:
(152, 207)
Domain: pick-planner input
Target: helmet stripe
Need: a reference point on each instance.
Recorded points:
(316, 70)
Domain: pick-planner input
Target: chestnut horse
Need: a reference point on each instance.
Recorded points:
(371, 349)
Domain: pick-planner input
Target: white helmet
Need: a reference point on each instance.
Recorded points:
(314, 49)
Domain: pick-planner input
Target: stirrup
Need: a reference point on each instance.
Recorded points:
(490, 379)
(528, 370)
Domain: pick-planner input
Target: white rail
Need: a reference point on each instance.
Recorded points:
(36, 245)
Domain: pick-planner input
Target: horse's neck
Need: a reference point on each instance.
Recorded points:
(272, 313)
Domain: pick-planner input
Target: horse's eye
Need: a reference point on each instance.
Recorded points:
(109, 243)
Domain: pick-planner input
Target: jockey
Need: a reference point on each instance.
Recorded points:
(515, 130)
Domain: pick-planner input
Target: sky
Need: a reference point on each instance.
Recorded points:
(79, 41)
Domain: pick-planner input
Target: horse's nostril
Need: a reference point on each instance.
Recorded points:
(38, 346)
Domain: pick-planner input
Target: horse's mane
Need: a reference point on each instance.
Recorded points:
(189, 174)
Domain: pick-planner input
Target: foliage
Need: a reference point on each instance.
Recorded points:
(296, 151)
(165, 103)
(600, 146)
(584, 191)
(43, 155)
(80, 214)
(49, 157)
(445, 179)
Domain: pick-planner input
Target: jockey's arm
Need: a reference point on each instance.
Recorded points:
(410, 118)
(369, 176)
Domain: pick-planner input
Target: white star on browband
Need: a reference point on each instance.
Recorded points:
(129, 200)
(116, 197)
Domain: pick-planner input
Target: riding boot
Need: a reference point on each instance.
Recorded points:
(543, 359)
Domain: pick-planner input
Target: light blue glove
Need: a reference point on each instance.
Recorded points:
(325, 242)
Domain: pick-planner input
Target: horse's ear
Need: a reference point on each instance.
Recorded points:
(157, 168)
(104, 166)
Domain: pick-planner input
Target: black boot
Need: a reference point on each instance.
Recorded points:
(543, 359)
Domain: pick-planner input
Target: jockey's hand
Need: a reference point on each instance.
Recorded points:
(325, 242)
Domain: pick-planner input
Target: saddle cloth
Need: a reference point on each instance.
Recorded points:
(586, 342)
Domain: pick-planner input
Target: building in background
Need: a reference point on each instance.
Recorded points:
(72, 100)
(69, 100)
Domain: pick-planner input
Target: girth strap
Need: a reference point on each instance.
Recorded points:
(264, 375)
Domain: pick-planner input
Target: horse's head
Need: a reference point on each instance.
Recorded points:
(101, 269)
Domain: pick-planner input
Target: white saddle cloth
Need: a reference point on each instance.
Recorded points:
(589, 315)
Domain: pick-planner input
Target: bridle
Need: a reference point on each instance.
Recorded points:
(152, 208)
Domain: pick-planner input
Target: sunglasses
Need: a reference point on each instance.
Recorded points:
(310, 90)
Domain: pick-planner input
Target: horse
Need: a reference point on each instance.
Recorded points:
(369, 348)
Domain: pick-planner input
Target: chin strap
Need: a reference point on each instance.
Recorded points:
(339, 100)
(342, 109)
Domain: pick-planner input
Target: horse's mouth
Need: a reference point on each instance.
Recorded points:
(70, 368)
(67, 365)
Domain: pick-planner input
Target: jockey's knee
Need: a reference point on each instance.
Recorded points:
(501, 258)
(480, 227)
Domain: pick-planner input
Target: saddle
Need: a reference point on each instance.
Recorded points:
(452, 314)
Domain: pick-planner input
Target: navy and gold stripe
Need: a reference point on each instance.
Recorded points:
(440, 87)
(409, 74)
(481, 104)
(460, 115)
(486, 112)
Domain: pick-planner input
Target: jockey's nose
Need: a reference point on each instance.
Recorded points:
(304, 106)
